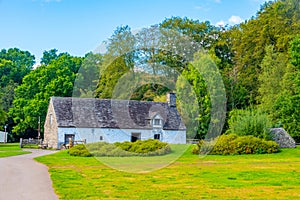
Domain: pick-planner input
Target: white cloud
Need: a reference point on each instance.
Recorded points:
(220, 23)
(235, 20)
(36, 65)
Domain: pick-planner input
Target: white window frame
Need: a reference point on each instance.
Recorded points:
(155, 120)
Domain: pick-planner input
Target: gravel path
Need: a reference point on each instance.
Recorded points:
(22, 178)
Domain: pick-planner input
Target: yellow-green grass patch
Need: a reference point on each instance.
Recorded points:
(271, 176)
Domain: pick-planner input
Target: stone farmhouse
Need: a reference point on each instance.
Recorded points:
(107, 120)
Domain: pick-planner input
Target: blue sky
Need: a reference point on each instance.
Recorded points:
(80, 26)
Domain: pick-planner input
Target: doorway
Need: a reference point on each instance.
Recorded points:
(135, 137)
(157, 136)
(68, 137)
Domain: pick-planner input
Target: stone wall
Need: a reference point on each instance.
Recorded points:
(51, 129)
(281, 137)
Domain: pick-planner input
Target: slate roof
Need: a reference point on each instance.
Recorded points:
(107, 113)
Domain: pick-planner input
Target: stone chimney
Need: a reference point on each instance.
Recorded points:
(171, 99)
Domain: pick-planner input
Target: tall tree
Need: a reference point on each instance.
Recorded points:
(33, 95)
(14, 65)
(201, 32)
(48, 56)
(88, 76)
(118, 60)
(276, 23)
(7, 94)
(3, 116)
(273, 68)
(287, 106)
(194, 102)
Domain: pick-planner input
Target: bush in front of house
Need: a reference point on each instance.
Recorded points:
(232, 144)
(79, 150)
(97, 145)
(122, 149)
(101, 149)
(145, 146)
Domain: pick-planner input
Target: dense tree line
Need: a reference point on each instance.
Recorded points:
(259, 61)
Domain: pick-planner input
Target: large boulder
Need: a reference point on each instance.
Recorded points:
(281, 137)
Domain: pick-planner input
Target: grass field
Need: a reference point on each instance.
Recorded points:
(11, 149)
(269, 176)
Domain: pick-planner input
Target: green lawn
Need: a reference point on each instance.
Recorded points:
(11, 149)
(269, 176)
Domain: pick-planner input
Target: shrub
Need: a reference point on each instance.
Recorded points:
(232, 144)
(96, 145)
(111, 150)
(139, 148)
(224, 145)
(249, 122)
(79, 150)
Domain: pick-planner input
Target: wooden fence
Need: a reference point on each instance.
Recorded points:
(30, 141)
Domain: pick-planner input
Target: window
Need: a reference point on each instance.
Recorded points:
(157, 136)
(101, 137)
(135, 137)
(157, 122)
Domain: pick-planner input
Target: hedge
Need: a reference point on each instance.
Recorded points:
(139, 148)
(232, 144)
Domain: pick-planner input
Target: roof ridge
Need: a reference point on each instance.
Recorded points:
(54, 97)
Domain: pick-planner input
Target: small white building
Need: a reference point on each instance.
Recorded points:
(3, 136)
(112, 121)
